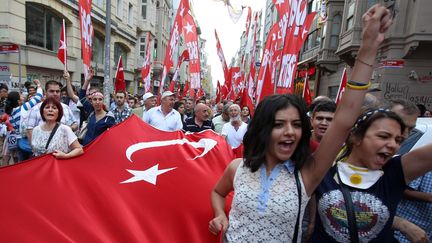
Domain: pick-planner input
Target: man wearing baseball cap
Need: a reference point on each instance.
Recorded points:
(149, 102)
(164, 117)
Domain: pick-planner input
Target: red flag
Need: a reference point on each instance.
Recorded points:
(185, 89)
(122, 189)
(293, 41)
(191, 41)
(86, 28)
(184, 56)
(62, 50)
(247, 101)
(200, 94)
(173, 41)
(306, 92)
(218, 92)
(265, 84)
(221, 57)
(236, 79)
(342, 86)
(145, 70)
(171, 86)
(120, 83)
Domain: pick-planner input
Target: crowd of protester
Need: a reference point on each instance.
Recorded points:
(295, 164)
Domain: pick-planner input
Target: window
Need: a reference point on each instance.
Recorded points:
(98, 48)
(335, 30)
(143, 46)
(155, 49)
(323, 33)
(43, 27)
(120, 8)
(130, 14)
(99, 3)
(144, 9)
(350, 16)
(120, 50)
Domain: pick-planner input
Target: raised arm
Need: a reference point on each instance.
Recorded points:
(417, 162)
(376, 22)
(69, 89)
(35, 99)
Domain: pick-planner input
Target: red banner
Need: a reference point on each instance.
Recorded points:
(191, 41)
(86, 28)
(136, 188)
(218, 92)
(307, 96)
(62, 50)
(145, 70)
(120, 83)
(173, 41)
(265, 84)
(342, 86)
(221, 56)
(298, 28)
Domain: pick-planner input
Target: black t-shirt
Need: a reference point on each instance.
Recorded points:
(191, 126)
(374, 207)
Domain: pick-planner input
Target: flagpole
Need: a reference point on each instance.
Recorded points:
(65, 43)
(304, 85)
(107, 67)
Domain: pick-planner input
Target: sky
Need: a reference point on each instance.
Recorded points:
(213, 14)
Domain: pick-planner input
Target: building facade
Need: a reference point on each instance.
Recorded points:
(402, 69)
(35, 26)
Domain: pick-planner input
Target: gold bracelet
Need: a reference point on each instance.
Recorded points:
(358, 87)
(365, 63)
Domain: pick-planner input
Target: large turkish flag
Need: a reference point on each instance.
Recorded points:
(132, 184)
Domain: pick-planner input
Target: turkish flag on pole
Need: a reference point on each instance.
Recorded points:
(221, 57)
(87, 33)
(306, 92)
(120, 83)
(145, 70)
(62, 51)
(171, 86)
(136, 188)
(185, 89)
(191, 42)
(342, 86)
(218, 92)
(173, 41)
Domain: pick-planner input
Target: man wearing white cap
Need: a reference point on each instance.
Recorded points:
(149, 102)
(164, 117)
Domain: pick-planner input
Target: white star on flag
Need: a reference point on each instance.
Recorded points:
(237, 75)
(149, 175)
(62, 45)
(188, 28)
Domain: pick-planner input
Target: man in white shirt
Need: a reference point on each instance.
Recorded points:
(234, 130)
(149, 101)
(164, 117)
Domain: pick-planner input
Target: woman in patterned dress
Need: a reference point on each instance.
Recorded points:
(269, 200)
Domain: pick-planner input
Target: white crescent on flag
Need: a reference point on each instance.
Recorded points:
(150, 175)
(207, 144)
